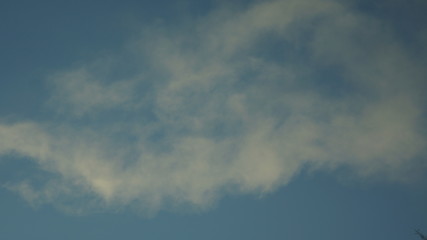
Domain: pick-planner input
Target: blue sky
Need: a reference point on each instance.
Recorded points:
(277, 119)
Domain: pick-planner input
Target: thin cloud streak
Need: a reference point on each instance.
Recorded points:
(217, 110)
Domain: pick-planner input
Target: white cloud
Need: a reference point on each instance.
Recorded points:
(214, 112)
(84, 90)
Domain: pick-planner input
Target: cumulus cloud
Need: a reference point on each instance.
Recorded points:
(238, 102)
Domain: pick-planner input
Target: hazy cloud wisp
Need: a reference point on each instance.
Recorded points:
(237, 104)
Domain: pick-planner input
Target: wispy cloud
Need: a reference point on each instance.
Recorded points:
(236, 103)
